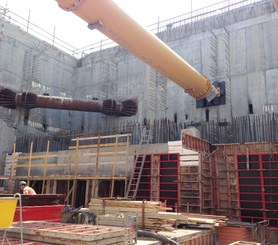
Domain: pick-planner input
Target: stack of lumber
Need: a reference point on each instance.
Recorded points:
(203, 219)
(66, 234)
(142, 210)
(102, 206)
(151, 215)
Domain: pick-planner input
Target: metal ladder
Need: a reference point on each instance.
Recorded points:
(138, 165)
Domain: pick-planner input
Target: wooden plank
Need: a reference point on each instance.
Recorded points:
(22, 157)
(108, 210)
(114, 168)
(45, 166)
(105, 153)
(116, 203)
(29, 163)
(71, 177)
(102, 137)
(96, 146)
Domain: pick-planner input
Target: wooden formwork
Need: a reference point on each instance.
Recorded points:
(90, 153)
(219, 175)
(192, 237)
(190, 192)
(15, 241)
(67, 234)
(229, 234)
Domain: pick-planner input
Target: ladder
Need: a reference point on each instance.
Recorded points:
(138, 165)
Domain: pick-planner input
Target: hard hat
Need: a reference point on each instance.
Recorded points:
(22, 183)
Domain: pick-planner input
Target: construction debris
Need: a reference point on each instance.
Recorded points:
(78, 216)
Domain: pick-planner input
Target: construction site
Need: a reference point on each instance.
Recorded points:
(166, 134)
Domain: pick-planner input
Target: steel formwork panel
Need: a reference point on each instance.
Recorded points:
(169, 186)
(195, 143)
(258, 187)
(144, 188)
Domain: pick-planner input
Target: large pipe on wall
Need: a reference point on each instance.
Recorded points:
(109, 19)
(28, 100)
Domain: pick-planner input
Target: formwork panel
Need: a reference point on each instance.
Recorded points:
(169, 165)
(65, 234)
(258, 187)
(229, 235)
(144, 188)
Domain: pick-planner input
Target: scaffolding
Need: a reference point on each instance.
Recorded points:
(90, 159)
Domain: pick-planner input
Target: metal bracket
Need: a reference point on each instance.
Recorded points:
(69, 5)
(95, 25)
(189, 90)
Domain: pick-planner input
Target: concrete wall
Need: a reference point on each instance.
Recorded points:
(238, 47)
(29, 64)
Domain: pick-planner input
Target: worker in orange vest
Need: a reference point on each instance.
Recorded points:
(27, 190)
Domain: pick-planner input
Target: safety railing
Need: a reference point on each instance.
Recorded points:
(31, 28)
(160, 26)
(193, 16)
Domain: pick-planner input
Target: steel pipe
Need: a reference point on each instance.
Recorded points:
(28, 100)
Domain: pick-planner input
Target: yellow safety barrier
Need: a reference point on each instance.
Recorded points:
(7, 211)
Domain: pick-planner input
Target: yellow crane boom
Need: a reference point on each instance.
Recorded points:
(112, 21)
(275, 2)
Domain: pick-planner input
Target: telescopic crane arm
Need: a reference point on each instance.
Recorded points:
(275, 2)
(109, 19)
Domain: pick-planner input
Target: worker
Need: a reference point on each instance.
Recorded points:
(27, 190)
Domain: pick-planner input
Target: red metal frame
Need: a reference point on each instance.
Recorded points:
(144, 188)
(258, 187)
(50, 213)
(195, 143)
(169, 185)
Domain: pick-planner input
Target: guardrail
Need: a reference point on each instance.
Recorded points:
(160, 26)
(31, 28)
(187, 18)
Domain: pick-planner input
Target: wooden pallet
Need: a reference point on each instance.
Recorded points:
(66, 234)
(15, 241)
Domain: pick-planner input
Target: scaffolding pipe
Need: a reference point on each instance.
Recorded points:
(112, 21)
